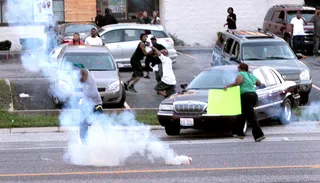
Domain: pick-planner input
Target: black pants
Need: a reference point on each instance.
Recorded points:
(298, 43)
(84, 124)
(248, 101)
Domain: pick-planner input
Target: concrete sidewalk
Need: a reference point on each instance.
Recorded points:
(292, 128)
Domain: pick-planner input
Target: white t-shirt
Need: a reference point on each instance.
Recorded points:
(93, 41)
(168, 76)
(149, 48)
(298, 24)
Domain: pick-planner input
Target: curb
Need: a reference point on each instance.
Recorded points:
(194, 49)
(58, 129)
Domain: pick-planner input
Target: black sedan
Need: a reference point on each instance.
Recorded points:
(188, 109)
(67, 30)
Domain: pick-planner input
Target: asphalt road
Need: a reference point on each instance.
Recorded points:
(283, 157)
(187, 66)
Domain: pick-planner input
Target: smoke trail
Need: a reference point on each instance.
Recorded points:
(111, 138)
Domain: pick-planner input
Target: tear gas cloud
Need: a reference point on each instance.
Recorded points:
(111, 138)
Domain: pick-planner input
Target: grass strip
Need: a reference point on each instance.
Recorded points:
(11, 120)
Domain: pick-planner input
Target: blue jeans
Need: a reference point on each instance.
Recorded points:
(84, 124)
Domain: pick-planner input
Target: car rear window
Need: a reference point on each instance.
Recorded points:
(159, 34)
(71, 29)
(91, 61)
(307, 15)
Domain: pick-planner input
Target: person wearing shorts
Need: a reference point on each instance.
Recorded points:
(166, 86)
(135, 62)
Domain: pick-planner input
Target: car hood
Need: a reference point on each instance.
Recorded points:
(105, 78)
(190, 95)
(282, 66)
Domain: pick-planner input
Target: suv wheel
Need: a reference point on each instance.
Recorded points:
(172, 130)
(286, 112)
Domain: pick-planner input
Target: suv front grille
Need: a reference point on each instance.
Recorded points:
(190, 107)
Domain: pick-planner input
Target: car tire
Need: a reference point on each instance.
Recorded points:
(286, 115)
(57, 103)
(172, 130)
(304, 99)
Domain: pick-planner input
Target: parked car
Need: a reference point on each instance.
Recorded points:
(278, 18)
(276, 99)
(66, 31)
(262, 48)
(99, 61)
(123, 39)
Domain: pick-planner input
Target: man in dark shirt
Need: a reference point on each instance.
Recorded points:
(316, 32)
(231, 19)
(109, 18)
(156, 62)
(99, 18)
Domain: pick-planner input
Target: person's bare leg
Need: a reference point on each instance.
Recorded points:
(131, 87)
(135, 80)
(163, 93)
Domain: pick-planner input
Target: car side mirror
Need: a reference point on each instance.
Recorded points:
(184, 85)
(120, 65)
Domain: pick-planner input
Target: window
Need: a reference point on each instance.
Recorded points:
(228, 45)
(270, 77)
(71, 29)
(276, 16)
(257, 73)
(30, 11)
(276, 76)
(235, 50)
(132, 34)
(159, 34)
(220, 40)
(112, 36)
(306, 14)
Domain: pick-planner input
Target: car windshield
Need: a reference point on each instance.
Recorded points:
(91, 61)
(213, 79)
(307, 15)
(266, 51)
(71, 29)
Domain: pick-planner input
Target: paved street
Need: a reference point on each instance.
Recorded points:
(285, 156)
(187, 66)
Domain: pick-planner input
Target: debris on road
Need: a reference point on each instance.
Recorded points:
(23, 95)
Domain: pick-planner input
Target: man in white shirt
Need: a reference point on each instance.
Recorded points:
(94, 39)
(166, 86)
(298, 33)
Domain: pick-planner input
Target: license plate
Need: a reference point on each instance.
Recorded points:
(186, 122)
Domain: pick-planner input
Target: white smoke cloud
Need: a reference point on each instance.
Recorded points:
(111, 138)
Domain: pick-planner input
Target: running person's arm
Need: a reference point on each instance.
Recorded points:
(237, 82)
(143, 48)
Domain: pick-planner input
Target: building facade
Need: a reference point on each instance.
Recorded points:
(194, 22)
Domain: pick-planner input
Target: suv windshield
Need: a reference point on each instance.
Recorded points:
(307, 15)
(91, 61)
(213, 79)
(266, 51)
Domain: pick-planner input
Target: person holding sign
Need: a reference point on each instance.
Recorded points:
(249, 98)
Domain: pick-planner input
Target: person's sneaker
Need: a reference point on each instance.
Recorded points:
(260, 139)
(131, 88)
(126, 85)
(238, 137)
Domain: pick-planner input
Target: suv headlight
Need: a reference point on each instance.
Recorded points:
(114, 86)
(166, 107)
(62, 85)
(305, 75)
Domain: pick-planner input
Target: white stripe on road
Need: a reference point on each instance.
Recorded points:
(126, 105)
(188, 55)
(316, 87)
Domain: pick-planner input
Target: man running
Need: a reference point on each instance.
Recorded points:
(135, 62)
(90, 97)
